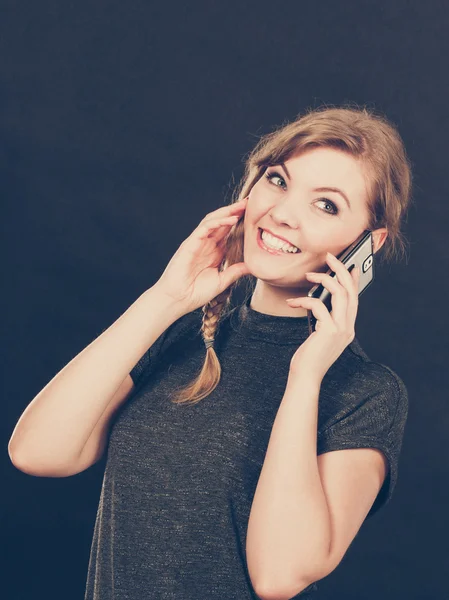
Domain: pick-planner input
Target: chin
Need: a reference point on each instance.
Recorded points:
(282, 278)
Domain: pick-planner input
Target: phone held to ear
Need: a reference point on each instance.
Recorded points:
(358, 254)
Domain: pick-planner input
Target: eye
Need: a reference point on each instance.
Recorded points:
(274, 175)
(334, 208)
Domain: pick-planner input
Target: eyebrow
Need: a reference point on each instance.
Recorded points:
(321, 189)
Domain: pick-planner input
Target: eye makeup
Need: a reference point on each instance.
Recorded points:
(270, 175)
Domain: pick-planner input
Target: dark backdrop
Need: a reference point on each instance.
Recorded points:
(122, 125)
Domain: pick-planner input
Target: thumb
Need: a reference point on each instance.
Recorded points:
(232, 273)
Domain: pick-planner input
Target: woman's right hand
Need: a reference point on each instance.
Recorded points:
(192, 278)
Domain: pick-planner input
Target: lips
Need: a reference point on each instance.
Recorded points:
(277, 236)
(272, 250)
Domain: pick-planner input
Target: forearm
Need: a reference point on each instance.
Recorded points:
(289, 527)
(59, 420)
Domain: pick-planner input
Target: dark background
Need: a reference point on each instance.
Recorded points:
(122, 125)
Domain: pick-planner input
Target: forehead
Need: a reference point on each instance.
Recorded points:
(329, 167)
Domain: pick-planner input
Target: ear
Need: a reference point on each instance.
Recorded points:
(379, 237)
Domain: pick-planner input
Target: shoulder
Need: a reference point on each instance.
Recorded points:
(357, 387)
(374, 376)
(385, 393)
(183, 329)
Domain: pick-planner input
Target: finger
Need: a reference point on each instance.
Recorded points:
(221, 235)
(339, 297)
(354, 300)
(355, 273)
(205, 228)
(347, 279)
(317, 307)
(341, 270)
(232, 273)
(229, 209)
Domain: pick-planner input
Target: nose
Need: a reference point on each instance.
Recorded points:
(284, 216)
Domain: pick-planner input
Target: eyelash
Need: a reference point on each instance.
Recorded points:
(270, 176)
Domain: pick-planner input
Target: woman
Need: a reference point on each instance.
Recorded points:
(247, 473)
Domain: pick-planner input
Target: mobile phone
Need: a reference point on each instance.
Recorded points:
(358, 254)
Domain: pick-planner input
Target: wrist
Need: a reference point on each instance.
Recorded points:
(304, 377)
(170, 304)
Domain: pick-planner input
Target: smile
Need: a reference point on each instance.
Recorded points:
(276, 251)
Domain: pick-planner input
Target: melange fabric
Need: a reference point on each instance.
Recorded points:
(179, 479)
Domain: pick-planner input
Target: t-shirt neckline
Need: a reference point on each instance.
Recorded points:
(276, 329)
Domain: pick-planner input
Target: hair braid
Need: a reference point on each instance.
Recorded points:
(209, 377)
(212, 312)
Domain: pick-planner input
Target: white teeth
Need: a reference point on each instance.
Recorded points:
(277, 244)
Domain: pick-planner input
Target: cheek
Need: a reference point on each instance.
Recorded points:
(322, 237)
(316, 242)
(250, 216)
(256, 209)
(246, 226)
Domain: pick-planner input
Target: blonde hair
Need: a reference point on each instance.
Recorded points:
(360, 132)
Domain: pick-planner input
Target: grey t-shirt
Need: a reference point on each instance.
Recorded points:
(179, 479)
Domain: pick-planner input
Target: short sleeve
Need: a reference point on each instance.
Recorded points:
(141, 367)
(378, 421)
(188, 323)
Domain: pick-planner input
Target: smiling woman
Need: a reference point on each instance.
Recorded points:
(354, 154)
(253, 479)
(299, 216)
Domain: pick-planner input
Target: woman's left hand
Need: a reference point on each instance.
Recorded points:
(333, 331)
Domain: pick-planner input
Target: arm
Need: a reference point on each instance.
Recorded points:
(54, 428)
(306, 509)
